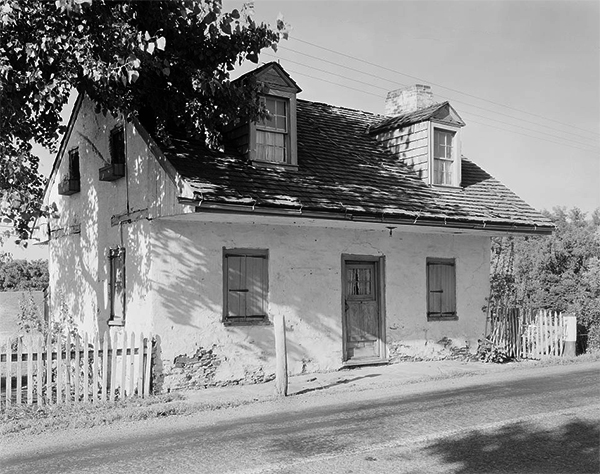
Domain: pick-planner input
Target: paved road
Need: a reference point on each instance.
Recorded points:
(543, 421)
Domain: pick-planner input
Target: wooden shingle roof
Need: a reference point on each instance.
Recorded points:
(344, 171)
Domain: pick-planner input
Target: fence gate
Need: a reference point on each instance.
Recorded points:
(77, 369)
(528, 334)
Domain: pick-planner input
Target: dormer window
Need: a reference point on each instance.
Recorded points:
(443, 157)
(272, 137)
(270, 142)
(423, 134)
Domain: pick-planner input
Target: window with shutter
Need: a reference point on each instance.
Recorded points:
(441, 289)
(245, 283)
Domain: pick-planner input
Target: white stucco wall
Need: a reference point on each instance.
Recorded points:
(304, 285)
(78, 262)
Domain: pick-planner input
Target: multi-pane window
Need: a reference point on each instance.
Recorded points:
(245, 273)
(272, 132)
(441, 288)
(116, 259)
(443, 156)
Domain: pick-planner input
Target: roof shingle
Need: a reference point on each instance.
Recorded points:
(342, 168)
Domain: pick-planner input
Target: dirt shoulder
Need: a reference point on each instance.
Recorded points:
(26, 424)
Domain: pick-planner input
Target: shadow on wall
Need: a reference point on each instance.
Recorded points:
(189, 291)
(523, 448)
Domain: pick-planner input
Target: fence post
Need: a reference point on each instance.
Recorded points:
(570, 335)
(8, 372)
(281, 373)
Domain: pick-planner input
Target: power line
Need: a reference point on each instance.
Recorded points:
(328, 72)
(444, 87)
(441, 97)
(472, 121)
(335, 83)
(577, 142)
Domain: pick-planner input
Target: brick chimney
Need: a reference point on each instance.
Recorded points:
(408, 99)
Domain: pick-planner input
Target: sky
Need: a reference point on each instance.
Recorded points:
(523, 75)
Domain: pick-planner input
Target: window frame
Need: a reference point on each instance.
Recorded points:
(291, 158)
(117, 257)
(456, 154)
(441, 316)
(245, 320)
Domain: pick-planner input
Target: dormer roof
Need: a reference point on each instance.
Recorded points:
(274, 76)
(442, 113)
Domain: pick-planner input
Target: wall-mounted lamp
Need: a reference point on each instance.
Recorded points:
(391, 229)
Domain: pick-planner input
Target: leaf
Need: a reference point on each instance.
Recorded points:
(161, 43)
(252, 57)
(132, 76)
(150, 47)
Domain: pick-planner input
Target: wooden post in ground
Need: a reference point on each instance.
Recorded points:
(570, 335)
(281, 372)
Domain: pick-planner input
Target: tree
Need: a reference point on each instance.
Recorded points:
(166, 62)
(16, 275)
(560, 272)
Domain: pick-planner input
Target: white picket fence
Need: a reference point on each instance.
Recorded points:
(82, 369)
(528, 334)
(543, 335)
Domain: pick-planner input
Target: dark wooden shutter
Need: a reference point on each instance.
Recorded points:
(117, 284)
(236, 291)
(74, 173)
(246, 286)
(117, 146)
(256, 286)
(441, 285)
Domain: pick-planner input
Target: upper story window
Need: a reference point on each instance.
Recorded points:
(117, 145)
(272, 132)
(71, 182)
(443, 157)
(116, 168)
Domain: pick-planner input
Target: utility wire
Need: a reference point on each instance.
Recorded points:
(576, 142)
(441, 97)
(444, 87)
(472, 121)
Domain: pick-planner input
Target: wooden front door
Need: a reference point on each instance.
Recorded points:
(362, 312)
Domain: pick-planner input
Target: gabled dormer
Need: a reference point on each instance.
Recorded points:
(424, 134)
(272, 141)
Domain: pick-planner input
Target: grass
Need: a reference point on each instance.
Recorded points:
(31, 420)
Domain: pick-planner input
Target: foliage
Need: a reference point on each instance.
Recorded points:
(560, 272)
(166, 62)
(31, 318)
(18, 275)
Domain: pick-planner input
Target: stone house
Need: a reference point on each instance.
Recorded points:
(369, 233)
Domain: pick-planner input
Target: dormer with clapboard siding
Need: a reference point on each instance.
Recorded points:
(423, 134)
